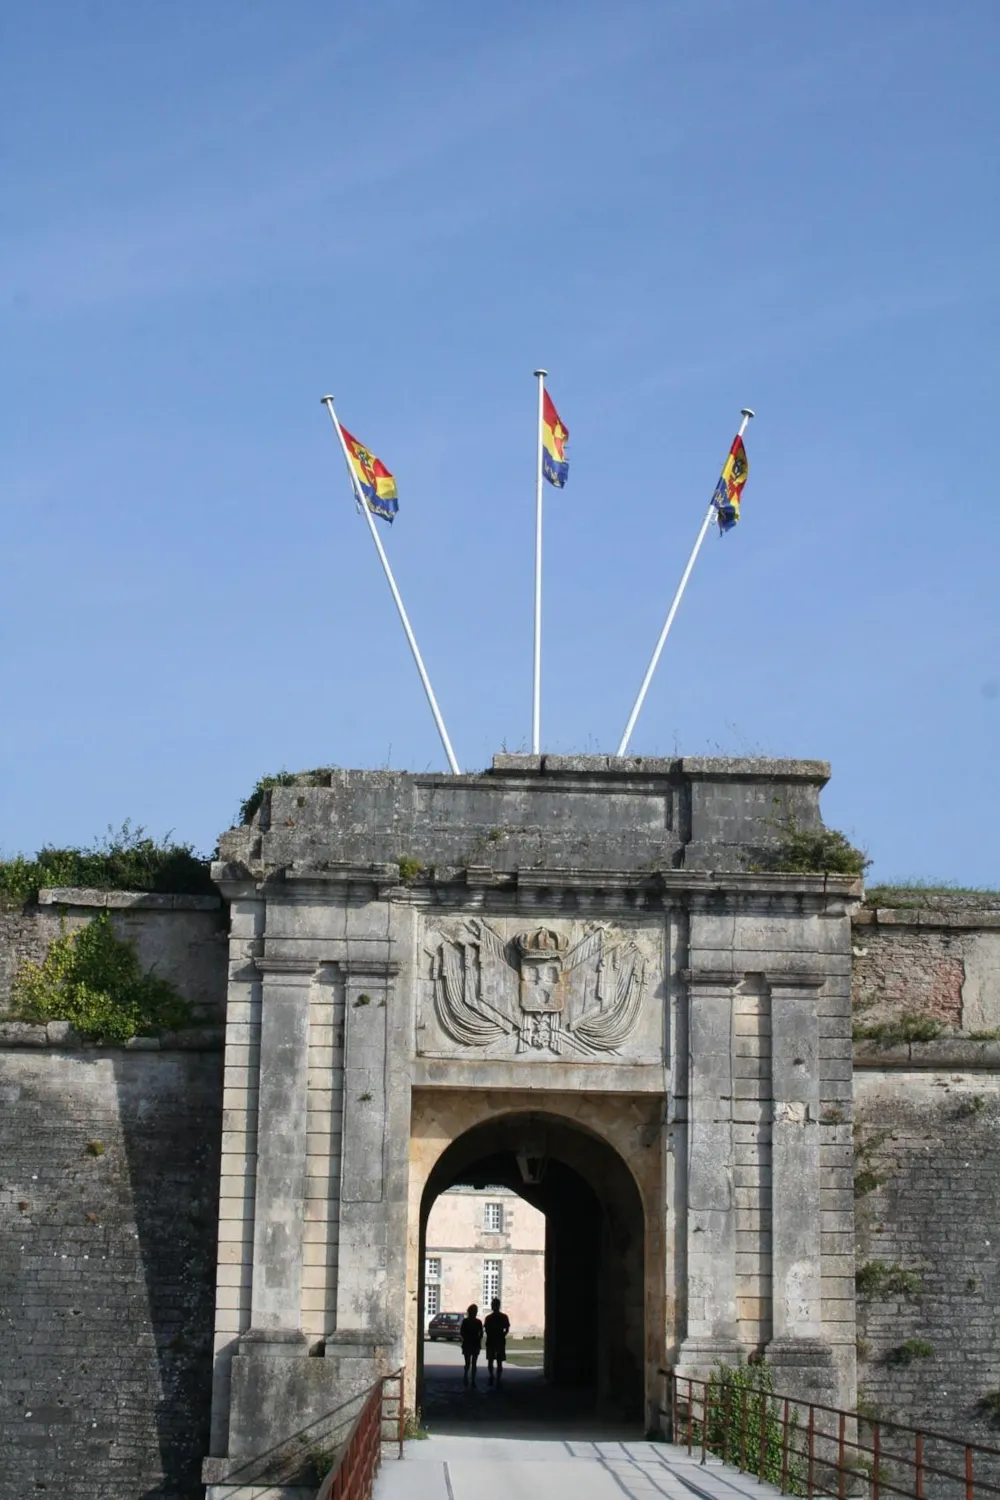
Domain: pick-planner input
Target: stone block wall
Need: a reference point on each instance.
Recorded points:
(109, 1171)
(927, 1172)
(183, 938)
(928, 1236)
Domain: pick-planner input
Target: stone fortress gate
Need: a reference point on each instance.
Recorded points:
(562, 975)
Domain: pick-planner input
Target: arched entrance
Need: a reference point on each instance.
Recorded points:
(596, 1290)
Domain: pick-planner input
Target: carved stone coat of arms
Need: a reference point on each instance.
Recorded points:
(582, 999)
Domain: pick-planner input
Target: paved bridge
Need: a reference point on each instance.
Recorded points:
(497, 1468)
(528, 1439)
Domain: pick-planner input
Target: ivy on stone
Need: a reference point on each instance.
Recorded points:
(94, 980)
(745, 1426)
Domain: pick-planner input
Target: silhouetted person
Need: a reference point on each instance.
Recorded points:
(472, 1342)
(497, 1327)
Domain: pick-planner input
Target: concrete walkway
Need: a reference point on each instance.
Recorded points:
(475, 1468)
(527, 1442)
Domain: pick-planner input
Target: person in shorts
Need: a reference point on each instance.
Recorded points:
(472, 1341)
(496, 1327)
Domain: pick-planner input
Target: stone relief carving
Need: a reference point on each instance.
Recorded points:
(583, 999)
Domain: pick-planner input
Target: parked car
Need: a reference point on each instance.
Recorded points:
(445, 1326)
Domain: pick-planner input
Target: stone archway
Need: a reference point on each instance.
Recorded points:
(598, 1183)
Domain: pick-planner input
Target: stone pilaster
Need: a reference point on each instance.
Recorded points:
(711, 1215)
(276, 1295)
(363, 1249)
(796, 1174)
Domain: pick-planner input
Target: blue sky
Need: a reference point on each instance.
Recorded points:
(213, 214)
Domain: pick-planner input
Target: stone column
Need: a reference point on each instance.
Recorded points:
(711, 1216)
(796, 1285)
(276, 1296)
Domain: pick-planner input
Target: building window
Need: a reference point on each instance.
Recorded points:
(432, 1286)
(493, 1218)
(491, 1281)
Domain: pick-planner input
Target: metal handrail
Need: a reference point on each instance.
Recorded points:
(808, 1448)
(353, 1475)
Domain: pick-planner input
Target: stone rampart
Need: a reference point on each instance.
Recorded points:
(927, 1172)
(928, 1235)
(109, 1172)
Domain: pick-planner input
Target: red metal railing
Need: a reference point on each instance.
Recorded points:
(353, 1475)
(805, 1448)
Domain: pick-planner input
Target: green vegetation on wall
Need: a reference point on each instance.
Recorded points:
(811, 851)
(93, 979)
(879, 1279)
(914, 894)
(908, 1027)
(251, 805)
(744, 1425)
(128, 860)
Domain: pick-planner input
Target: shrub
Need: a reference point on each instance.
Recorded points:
(93, 979)
(811, 851)
(128, 860)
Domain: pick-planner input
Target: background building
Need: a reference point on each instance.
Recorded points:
(484, 1243)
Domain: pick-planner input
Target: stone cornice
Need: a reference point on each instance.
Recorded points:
(794, 979)
(676, 886)
(369, 968)
(967, 918)
(775, 979)
(951, 1053)
(268, 965)
(75, 895)
(628, 768)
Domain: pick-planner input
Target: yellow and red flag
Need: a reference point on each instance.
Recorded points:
(555, 464)
(377, 484)
(730, 486)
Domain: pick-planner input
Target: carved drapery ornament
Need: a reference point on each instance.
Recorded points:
(583, 999)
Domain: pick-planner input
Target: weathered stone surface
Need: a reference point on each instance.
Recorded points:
(22, 1034)
(930, 1206)
(108, 1216)
(61, 1034)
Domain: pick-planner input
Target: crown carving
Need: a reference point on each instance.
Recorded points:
(542, 943)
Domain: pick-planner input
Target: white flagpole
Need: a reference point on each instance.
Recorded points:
(363, 506)
(709, 514)
(536, 680)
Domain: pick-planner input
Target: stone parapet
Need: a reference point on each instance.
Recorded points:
(561, 813)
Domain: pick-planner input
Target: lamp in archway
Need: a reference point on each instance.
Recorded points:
(531, 1163)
